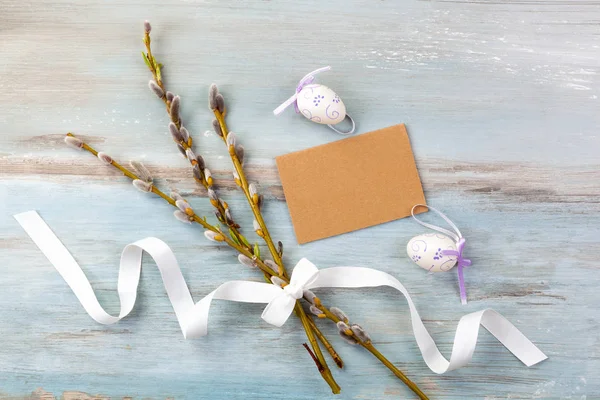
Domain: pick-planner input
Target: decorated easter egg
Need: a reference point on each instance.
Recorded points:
(321, 104)
(426, 251)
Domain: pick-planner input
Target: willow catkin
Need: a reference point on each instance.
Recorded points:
(339, 313)
(182, 216)
(105, 158)
(217, 127)
(185, 134)
(74, 142)
(157, 90)
(360, 333)
(247, 261)
(213, 91)
(220, 102)
(191, 156)
(141, 171)
(142, 185)
(175, 132)
(174, 111)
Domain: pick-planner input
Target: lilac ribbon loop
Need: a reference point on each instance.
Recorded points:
(460, 263)
(306, 80)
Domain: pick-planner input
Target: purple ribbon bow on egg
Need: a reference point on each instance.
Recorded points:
(460, 245)
(460, 264)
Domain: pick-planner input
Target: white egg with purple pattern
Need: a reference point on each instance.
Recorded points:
(426, 251)
(320, 104)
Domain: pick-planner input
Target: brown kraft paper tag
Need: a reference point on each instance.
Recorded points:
(350, 184)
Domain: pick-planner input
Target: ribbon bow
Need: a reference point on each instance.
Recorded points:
(280, 308)
(307, 80)
(460, 263)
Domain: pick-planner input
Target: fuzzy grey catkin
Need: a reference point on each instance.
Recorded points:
(175, 132)
(247, 261)
(176, 196)
(191, 156)
(231, 139)
(315, 310)
(220, 100)
(210, 235)
(256, 226)
(212, 195)
(147, 27)
(228, 216)
(239, 152)
(348, 339)
(182, 205)
(342, 326)
(207, 173)
(252, 189)
(105, 158)
(185, 134)
(175, 104)
(142, 185)
(309, 296)
(182, 216)
(339, 313)
(360, 333)
(156, 89)
(271, 264)
(213, 91)
(217, 127)
(74, 142)
(277, 281)
(141, 170)
(197, 172)
(200, 161)
(170, 96)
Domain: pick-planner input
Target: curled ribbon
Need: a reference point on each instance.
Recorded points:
(306, 80)
(460, 245)
(193, 318)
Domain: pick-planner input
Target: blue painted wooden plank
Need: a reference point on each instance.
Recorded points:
(500, 100)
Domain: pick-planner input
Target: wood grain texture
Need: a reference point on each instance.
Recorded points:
(501, 104)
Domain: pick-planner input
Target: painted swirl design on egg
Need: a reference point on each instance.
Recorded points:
(334, 114)
(417, 247)
(309, 115)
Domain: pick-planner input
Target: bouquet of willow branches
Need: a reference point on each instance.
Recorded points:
(228, 231)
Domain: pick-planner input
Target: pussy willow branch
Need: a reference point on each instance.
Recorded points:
(220, 236)
(253, 201)
(184, 142)
(242, 181)
(223, 213)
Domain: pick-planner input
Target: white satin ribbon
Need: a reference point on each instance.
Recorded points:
(193, 318)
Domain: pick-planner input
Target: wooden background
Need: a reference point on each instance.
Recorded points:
(501, 104)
